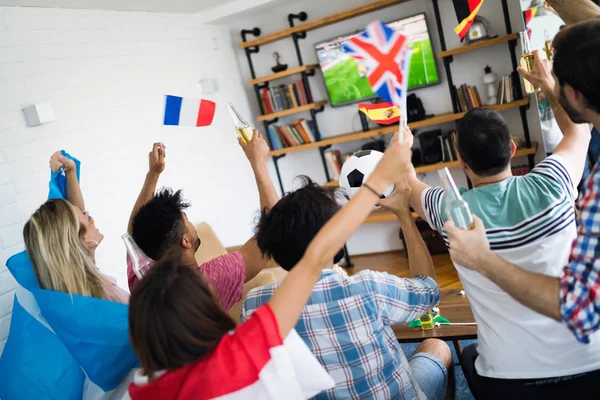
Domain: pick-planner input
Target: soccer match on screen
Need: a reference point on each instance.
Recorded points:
(346, 79)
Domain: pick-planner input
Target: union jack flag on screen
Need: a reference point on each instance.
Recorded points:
(385, 54)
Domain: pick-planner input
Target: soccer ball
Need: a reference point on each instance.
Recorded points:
(356, 171)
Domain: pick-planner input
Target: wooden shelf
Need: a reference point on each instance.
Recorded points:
(319, 23)
(382, 215)
(452, 164)
(350, 137)
(291, 111)
(478, 45)
(283, 74)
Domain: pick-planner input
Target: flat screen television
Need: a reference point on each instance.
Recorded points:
(347, 84)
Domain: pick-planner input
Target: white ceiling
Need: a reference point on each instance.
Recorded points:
(172, 6)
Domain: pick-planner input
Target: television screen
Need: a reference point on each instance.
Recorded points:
(345, 78)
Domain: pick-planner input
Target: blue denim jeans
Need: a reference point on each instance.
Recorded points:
(431, 375)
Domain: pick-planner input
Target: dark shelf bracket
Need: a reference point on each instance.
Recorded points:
(322, 151)
(253, 32)
(270, 122)
(261, 86)
(313, 116)
(523, 112)
(299, 35)
(364, 121)
(447, 60)
(319, 109)
(251, 50)
(276, 163)
(301, 16)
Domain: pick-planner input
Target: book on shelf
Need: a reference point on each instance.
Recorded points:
(300, 88)
(292, 95)
(448, 146)
(506, 90)
(444, 155)
(467, 97)
(309, 129)
(453, 141)
(334, 162)
(284, 137)
(283, 97)
(298, 133)
(477, 97)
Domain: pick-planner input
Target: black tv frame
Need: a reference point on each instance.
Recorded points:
(375, 96)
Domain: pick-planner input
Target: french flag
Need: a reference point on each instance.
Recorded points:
(181, 111)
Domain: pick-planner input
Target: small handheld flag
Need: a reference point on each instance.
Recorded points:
(466, 11)
(181, 111)
(381, 113)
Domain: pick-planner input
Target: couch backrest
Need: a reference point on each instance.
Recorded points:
(211, 247)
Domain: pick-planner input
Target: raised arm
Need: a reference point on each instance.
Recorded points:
(74, 195)
(294, 291)
(573, 11)
(576, 137)
(471, 249)
(416, 186)
(257, 152)
(419, 258)
(156, 160)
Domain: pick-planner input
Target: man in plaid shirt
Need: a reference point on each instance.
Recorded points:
(574, 297)
(347, 322)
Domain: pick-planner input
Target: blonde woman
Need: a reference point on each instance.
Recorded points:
(61, 239)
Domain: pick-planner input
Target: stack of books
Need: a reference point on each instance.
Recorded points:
(283, 97)
(334, 161)
(506, 90)
(467, 97)
(448, 145)
(295, 134)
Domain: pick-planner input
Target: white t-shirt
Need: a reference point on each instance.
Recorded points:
(529, 222)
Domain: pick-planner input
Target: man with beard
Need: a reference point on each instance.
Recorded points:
(572, 297)
(531, 222)
(159, 225)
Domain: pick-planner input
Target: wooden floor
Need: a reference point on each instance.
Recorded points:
(396, 263)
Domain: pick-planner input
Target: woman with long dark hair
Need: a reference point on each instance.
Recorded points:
(189, 348)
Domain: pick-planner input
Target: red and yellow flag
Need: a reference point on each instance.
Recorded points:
(528, 15)
(381, 113)
(466, 11)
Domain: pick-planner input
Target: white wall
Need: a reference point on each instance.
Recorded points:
(106, 74)
(467, 68)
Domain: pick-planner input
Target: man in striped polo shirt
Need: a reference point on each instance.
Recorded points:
(530, 221)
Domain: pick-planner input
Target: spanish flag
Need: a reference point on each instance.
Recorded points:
(466, 11)
(528, 16)
(381, 113)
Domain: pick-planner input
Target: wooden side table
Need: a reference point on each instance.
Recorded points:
(457, 309)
